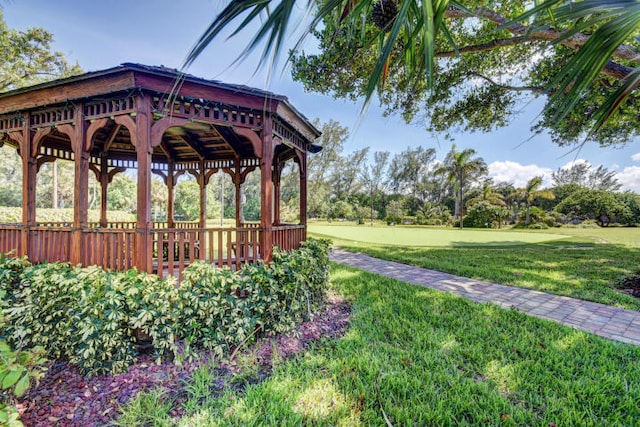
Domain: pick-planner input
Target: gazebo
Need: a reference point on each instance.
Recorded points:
(157, 121)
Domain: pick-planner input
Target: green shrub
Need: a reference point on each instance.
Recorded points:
(210, 311)
(18, 368)
(94, 318)
(10, 271)
(43, 312)
(10, 215)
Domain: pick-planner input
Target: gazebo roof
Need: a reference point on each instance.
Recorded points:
(211, 112)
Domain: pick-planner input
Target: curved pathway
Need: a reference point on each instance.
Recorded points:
(609, 322)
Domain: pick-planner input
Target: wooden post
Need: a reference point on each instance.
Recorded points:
(266, 188)
(143, 153)
(81, 185)
(202, 182)
(104, 184)
(237, 181)
(170, 194)
(29, 177)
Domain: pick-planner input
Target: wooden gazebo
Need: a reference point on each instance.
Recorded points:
(156, 121)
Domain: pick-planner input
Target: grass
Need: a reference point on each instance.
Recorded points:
(433, 236)
(576, 266)
(422, 357)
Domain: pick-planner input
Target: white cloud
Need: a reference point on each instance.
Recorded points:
(630, 178)
(518, 174)
(636, 157)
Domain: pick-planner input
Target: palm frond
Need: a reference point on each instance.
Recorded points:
(585, 66)
(615, 22)
(613, 103)
(415, 29)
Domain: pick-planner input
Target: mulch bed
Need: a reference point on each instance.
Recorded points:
(631, 285)
(64, 397)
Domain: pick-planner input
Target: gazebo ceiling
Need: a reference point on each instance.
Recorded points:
(210, 113)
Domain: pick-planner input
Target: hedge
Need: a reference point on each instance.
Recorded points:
(95, 318)
(10, 215)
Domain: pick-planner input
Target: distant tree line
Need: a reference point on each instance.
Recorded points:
(408, 187)
(413, 187)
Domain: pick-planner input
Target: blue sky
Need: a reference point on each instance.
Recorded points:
(102, 34)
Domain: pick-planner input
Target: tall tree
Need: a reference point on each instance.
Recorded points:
(27, 58)
(10, 177)
(414, 25)
(321, 165)
(373, 175)
(410, 169)
(345, 174)
(530, 192)
(583, 174)
(460, 167)
(603, 206)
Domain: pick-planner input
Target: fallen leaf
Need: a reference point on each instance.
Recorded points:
(505, 417)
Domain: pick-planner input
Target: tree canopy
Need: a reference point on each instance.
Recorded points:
(481, 84)
(27, 58)
(463, 65)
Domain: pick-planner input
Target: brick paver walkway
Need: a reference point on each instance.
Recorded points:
(609, 322)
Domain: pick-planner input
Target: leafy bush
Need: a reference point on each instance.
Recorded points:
(18, 367)
(484, 214)
(95, 318)
(210, 312)
(89, 316)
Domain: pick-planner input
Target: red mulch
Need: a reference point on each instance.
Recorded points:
(64, 397)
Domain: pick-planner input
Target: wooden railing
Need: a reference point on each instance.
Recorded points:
(11, 239)
(49, 244)
(174, 249)
(123, 225)
(250, 225)
(288, 237)
(114, 248)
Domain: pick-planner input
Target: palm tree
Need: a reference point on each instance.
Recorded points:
(530, 192)
(460, 167)
(487, 195)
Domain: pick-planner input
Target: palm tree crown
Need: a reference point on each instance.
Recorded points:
(459, 167)
(530, 192)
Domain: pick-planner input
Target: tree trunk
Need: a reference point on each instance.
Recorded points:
(460, 203)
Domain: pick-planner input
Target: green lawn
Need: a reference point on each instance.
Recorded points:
(423, 236)
(579, 265)
(421, 357)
